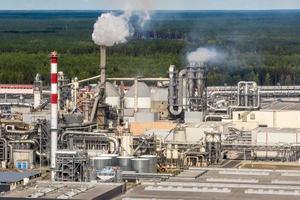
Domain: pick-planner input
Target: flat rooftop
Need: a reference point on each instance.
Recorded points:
(222, 184)
(281, 106)
(11, 177)
(66, 190)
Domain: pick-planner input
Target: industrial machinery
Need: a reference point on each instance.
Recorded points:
(96, 131)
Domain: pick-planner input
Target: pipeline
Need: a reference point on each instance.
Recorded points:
(13, 130)
(179, 96)
(17, 104)
(5, 148)
(34, 142)
(112, 139)
(216, 116)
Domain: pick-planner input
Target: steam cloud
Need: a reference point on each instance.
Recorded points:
(111, 29)
(204, 55)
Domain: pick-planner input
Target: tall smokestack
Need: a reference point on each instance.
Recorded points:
(102, 67)
(54, 112)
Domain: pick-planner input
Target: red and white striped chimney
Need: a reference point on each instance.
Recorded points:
(54, 111)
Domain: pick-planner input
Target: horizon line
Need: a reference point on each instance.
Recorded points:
(41, 9)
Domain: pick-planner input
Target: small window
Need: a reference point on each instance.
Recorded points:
(239, 116)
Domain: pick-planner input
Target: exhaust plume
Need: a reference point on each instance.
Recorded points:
(111, 29)
(204, 55)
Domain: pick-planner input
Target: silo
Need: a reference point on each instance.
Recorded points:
(125, 162)
(100, 162)
(152, 162)
(140, 165)
(112, 95)
(138, 98)
(114, 160)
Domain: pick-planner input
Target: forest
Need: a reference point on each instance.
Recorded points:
(263, 46)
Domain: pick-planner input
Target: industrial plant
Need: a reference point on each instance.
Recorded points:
(148, 138)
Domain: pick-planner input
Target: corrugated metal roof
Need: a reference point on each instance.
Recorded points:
(11, 177)
(143, 90)
(277, 130)
(111, 90)
(278, 106)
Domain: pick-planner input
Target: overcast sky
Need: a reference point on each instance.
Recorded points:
(152, 4)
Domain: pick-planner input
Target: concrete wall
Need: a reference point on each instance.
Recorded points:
(273, 119)
(275, 136)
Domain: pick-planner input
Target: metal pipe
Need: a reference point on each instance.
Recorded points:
(17, 104)
(18, 131)
(136, 95)
(179, 105)
(112, 139)
(23, 141)
(118, 79)
(5, 148)
(11, 153)
(81, 133)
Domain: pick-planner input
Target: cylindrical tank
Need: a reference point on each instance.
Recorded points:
(140, 165)
(125, 162)
(114, 158)
(152, 162)
(100, 162)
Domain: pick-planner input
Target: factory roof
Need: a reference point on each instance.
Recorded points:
(281, 106)
(143, 90)
(277, 130)
(111, 90)
(11, 177)
(222, 183)
(67, 190)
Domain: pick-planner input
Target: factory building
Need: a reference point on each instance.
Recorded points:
(95, 137)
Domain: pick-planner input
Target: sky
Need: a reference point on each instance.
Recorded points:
(150, 4)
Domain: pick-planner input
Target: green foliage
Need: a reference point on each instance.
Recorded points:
(259, 46)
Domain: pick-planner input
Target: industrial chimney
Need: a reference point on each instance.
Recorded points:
(54, 112)
(102, 66)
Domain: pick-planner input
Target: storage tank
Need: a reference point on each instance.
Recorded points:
(100, 162)
(112, 95)
(152, 162)
(140, 165)
(114, 158)
(139, 97)
(125, 162)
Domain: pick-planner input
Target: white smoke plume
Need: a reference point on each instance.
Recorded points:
(111, 29)
(204, 55)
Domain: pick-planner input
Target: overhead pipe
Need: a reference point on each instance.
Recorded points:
(104, 135)
(18, 131)
(20, 104)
